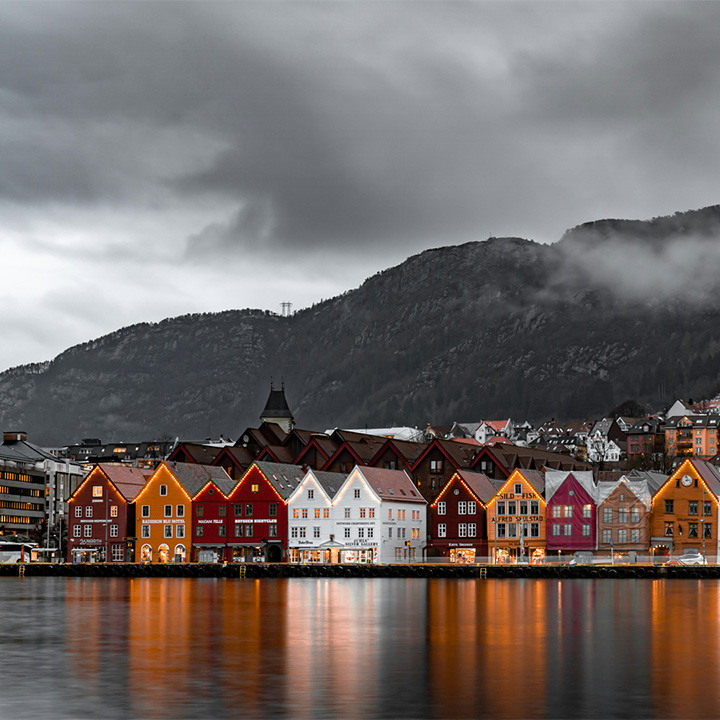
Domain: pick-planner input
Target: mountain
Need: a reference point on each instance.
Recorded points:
(615, 310)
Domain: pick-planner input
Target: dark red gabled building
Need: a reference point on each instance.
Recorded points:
(234, 460)
(440, 460)
(257, 512)
(397, 455)
(101, 514)
(457, 525)
(317, 452)
(210, 520)
(191, 452)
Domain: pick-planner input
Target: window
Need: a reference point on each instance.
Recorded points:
(556, 529)
(567, 529)
(113, 511)
(78, 511)
(304, 513)
(180, 510)
(471, 529)
(441, 508)
(88, 511)
(317, 513)
(707, 530)
(622, 536)
(669, 506)
(248, 530)
(311, 494)
(462, 507)
(118, 553)
(326, 513)
(556, 511)
(534, 507)
(357, 493)
(163, 489)
(518, 488)
(511, 507)
(145, 531)
(707, 507)
(586, 530)
(607, 536)
(237, 510)
(180, 531)
(389, 514)
(668, 529)
(501, 507)
(501, 530)
(587, 511)
(222, 510)
(272, 530)
(113, 530)
(254, 488)
(436, 466)
(168, 531)
(635, 514)
(692, 507)
(635, 536)
(512, 530)
(361, 532)
(607, 515)
(272, 510)
(568, 511)
(296, 513)
(622, 515)
(293, 532)
(145, 511)
(77, 529)
(87, 530)
(97, 491)
(362, 512)
(347, 532)
(221, 531)
(168, 510)
(390, 532)
(248, 510)
(523, 507)
(462, 530)
(692, 529)
(239, 530)
(371, 512)
(534, 529)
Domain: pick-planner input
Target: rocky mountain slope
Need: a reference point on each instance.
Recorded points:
(505, 327)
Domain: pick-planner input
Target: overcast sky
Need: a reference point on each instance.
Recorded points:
(162, 158)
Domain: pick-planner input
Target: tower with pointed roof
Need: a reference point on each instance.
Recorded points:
(277, 409)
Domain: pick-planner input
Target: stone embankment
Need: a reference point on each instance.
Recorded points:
(263, 570)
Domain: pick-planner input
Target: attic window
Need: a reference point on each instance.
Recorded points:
(390, 490)
(413, 493)
(402, 491)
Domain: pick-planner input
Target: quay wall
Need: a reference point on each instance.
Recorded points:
(269, 570)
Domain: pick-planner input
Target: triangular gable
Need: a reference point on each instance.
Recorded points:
(312, 445)
(309, 479)
(554, 480)
(701, 471)
(473, 483)
(355, 474)
(530, 478)
(446, 447)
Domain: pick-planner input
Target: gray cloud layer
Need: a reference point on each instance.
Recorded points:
(291, 136)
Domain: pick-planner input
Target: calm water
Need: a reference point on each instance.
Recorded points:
(176, 648)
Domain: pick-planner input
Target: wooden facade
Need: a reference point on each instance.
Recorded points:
(571, 515)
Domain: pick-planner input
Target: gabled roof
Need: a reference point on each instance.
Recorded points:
(225, 486)
(460, 455)
(404, 449)
(362, 450)
(283, 477)
(394, 485)
(555, 479)
(194, 477)
(481, 485)
(642, 489)
(239, 455)
(330, 482)
(197, 452)
(709, 474)
(128, 481)
(276, 453)
(533, 477)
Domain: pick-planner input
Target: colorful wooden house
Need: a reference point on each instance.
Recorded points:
(623, 514)
(438, 462)
(210, 520)
(258, 525)
(101, 514)
(457, 523)
(571, 515)
(684, 515)
(516, 519)
(163, 510)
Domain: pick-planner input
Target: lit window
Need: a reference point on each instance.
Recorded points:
(97, 491)
(113, 511)
(568, 511)
(303, 532)
(362, 512)
(296, 513)
(248, 510)
(326, 513)
(587, 511)
(304, 513)
(255, 488)
(222, 510)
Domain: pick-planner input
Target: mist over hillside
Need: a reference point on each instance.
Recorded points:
(506, 327)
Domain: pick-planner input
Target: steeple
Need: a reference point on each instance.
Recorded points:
(277, 409)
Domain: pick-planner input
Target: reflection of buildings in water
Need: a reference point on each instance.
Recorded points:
(487, 647)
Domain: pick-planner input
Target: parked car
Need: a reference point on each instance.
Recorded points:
(688, 559)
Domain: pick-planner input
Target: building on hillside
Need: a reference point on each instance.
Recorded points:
(684, 514)
(259, 512)
(571, 517)
(516, 519)
(457, 526)
(646, 440)
(101, 514)
(210, 520)
(380, 517)
(623, 514)
(313, 536)
(163, 510)
(692, 436)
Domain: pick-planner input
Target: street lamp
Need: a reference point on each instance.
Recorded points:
(494, 522)
(522, 541)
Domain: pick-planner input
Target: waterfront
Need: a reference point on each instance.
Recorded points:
(359, 648)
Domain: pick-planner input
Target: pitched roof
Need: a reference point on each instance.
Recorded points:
(483, 488)
(554, 479)
(282, 476)
(194, 477)
(201, 454)
(394, 485)
(128, 481)
(276, 405)
(534, 478)
(330, 482)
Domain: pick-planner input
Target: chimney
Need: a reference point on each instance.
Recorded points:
(13, 436)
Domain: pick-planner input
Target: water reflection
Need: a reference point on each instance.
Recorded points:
(173, 648)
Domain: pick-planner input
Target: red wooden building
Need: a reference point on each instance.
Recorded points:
(101, 515)
(210, 521)
(257, 512)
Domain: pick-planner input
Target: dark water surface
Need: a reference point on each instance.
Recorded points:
(358, 648)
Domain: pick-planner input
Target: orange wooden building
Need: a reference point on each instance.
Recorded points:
(163, 510)
(684, 516)
(516, 519)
